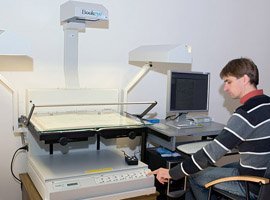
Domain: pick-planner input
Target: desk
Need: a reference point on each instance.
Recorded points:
(29, 191)
(166, 137)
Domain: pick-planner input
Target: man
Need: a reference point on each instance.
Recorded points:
(248, 129)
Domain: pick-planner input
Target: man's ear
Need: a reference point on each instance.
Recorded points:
(246, 79)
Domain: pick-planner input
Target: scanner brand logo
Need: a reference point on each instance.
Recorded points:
(91, 13)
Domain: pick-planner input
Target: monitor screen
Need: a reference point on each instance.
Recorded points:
(187, 92)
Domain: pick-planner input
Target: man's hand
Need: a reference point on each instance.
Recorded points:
(163, 175)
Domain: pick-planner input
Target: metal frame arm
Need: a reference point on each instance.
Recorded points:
(147, 110)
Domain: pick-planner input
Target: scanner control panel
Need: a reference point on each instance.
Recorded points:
(94, 180)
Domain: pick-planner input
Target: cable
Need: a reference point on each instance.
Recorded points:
(11, 164)
(170, 117)
(137, 152)
(134, 154)
(124, 153)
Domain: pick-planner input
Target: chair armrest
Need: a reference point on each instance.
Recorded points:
(255, 179)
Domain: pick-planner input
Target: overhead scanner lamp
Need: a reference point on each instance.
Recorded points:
(159, 58)
(89, 14)
(162, 57)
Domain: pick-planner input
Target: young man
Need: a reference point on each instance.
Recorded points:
(248, 129)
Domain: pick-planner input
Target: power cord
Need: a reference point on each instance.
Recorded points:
(25, 148)
(174, 117)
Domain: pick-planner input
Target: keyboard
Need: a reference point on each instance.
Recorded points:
(161, 126)
(193, 147)
(184, 126)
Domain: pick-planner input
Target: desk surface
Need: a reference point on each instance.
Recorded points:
(29, 191)
(209, 128)
(166, 136)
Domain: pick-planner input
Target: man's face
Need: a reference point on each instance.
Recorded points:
(234, 86)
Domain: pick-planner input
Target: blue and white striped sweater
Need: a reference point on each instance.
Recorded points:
(248, 129)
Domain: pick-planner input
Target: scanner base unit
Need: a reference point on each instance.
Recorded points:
(89, 175)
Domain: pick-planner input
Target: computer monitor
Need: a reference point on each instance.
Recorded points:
(187, 92)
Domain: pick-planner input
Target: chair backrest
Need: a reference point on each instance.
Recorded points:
(264, 193)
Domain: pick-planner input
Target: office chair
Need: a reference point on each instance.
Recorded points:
(264, 191)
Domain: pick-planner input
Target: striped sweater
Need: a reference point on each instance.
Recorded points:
(248, 129)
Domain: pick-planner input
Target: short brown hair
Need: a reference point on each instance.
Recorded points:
(239, 67)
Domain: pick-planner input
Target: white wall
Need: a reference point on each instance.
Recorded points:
(217, 31)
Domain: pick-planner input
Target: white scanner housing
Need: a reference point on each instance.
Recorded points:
(76, 17)
(82, 12)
